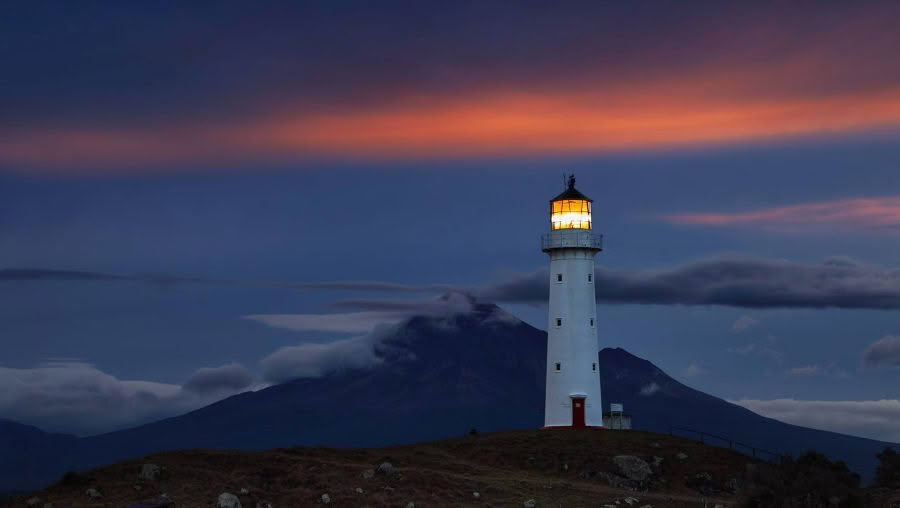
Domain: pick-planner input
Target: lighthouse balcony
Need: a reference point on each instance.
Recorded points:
(571, 239)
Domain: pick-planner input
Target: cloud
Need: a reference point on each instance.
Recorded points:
(883, 353)
(557, 81)
(876, 419)
(232, 377)
(737, 282)
(76, 397)
(693, 370)
(352, 322)
(650, 389)
(879, 213)
(759, 350)
(371, 313)
(316, 360)
(804, 371)
(742, 323)
(368, 285)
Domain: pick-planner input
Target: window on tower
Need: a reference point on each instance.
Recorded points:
(558, 367)
(558, 321)
(594, 366)
(559, 277)
(592, 321)
(590, 277)
(570, 214)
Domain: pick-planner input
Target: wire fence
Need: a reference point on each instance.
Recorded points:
(731, 444)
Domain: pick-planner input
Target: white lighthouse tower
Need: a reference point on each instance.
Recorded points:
(573, 377)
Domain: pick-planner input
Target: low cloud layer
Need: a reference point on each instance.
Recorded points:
(367, 314)
(737, 282)
(316, 360)
(883, 353)
(750, 283)
(232, 377)
(377, 318)
(76, 397)
(875, 419)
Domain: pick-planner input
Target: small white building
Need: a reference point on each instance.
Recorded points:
(573, 375)
(616, 419)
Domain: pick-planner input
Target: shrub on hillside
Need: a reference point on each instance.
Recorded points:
(808, 481)
(888, 472)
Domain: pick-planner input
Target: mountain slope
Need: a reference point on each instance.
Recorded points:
(440, 377)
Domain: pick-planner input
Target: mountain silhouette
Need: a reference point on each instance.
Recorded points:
(436, 377)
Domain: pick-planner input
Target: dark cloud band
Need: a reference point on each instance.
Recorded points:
(751, 283)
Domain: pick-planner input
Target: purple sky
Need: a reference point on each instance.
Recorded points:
(743, 161)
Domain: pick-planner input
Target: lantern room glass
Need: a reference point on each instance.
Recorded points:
(570, 214)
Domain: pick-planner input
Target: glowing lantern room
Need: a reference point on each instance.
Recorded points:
(571, 209)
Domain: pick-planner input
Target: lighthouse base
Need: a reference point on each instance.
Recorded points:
(569, 427)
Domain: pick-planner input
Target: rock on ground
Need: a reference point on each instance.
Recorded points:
(385, 468)
(228, 500)
(633, 467)
(93, 493)
(149, 472)
(531, 503)
(326, 499)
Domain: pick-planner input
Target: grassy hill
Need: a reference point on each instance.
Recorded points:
(552, 467)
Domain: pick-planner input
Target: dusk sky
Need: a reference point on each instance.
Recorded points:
(265, 179)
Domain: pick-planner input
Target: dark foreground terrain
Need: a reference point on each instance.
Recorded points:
(551, 468)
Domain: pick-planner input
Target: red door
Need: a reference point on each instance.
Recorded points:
(578, 412)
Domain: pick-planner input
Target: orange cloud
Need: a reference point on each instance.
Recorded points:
(710, 109)
(881, 212)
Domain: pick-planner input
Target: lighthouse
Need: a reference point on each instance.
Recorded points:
(573, 377)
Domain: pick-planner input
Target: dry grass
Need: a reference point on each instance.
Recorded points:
(508, 468)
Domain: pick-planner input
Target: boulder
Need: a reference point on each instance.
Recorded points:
(681, 456)
(368, 473)
(359, 490)
(326, 499)
(149, 472)
(476, 495)
(632, 467)
(385, 468)
(93, 493)
(531, 503)
(410, 505)
(263, 504)
(33, 501)
(245, 491)
(228, 500)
